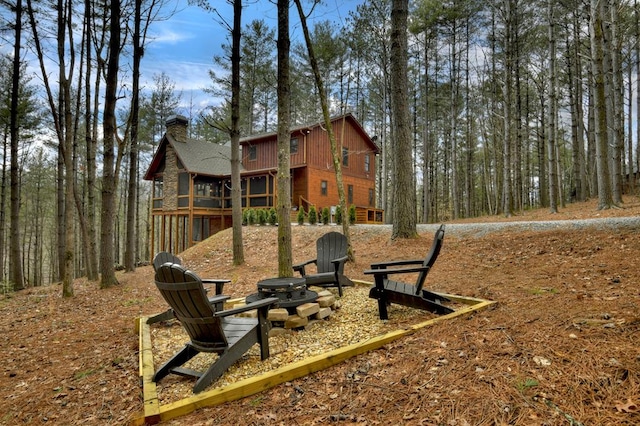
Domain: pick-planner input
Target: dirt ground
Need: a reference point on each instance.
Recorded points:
(559, 348)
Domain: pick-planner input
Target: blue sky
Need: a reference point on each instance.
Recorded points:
(184, 45)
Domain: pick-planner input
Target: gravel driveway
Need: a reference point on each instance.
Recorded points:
(483, 228)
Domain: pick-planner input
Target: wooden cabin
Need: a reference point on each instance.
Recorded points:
(192, 178)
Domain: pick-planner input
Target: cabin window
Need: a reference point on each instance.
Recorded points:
(345, 156)
(157, 187)
(350, 194)
(323, 187)
(293, 146)
(253, 153)
(183, 184)
(367, 162)
(258, 185)
(206, 192)
(157, 192)
(371, 200)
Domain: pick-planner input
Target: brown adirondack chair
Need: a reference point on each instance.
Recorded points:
(387, 291)
(209, 330)
(331, 256)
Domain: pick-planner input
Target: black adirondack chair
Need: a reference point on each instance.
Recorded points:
(331, 256)
(209, 330)
(387, 291)
(165, 257)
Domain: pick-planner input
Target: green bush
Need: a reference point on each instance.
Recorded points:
(301, 216)
(325, 215)
(273, 216)
(338, 215)
(313, 215)
(261, 216)
(251, 216)
(352, 214)
(245, 217)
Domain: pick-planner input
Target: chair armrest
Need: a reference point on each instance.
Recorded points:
(382, 265)
(218, 282)
(218, 299)
(299, 266)
(214, 281)
(396, 271)
(251, 306)
(340, 259)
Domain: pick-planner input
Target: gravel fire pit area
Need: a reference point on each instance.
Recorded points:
(293, 338)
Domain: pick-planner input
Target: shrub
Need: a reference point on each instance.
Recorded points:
(352, 214)
(251, 216)
(313, 215)
(273, 216)
(301, 216)
(338, 215)
(325, 215)
(261, 216)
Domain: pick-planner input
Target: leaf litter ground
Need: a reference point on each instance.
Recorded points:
(560, 346)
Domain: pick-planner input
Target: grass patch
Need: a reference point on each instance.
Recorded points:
(82, 374)
(134, 302)
(527, 384)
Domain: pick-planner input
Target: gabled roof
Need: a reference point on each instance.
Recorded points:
(348, 116)
(200, 157)
(197, 156)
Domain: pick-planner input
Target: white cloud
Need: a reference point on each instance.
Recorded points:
(167, 35)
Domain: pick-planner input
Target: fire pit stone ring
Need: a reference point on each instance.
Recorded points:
(291, 292)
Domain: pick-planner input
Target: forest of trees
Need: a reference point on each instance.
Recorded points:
(512, 105)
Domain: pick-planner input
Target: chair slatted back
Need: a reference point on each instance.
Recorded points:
(163, 257)
(332, 245)
(184, 292)
(431, 258)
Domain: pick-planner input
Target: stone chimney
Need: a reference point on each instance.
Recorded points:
(177, 127)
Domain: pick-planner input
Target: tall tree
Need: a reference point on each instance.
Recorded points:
(16, 273)
(324, 103)
(553, 111)
(258, 78)
(283, 203)
(109, 172)
(90, 139)
(62, 114)
(234, 132)
(596, 30)
(404, 219)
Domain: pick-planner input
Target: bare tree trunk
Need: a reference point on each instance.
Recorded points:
(131, 236)
(553, 115)
(508, 132)
(15, 259)
(335, 153)
(577, 114)
(629, 171)
(109, 186)
(285, 256)
(605, 199)
(404, 223)
(615, 93)
(236, 185)
(636, 170)
(90, 142)
(637, 70)
(3, 206)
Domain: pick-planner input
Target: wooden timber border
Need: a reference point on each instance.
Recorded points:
(154, 413)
